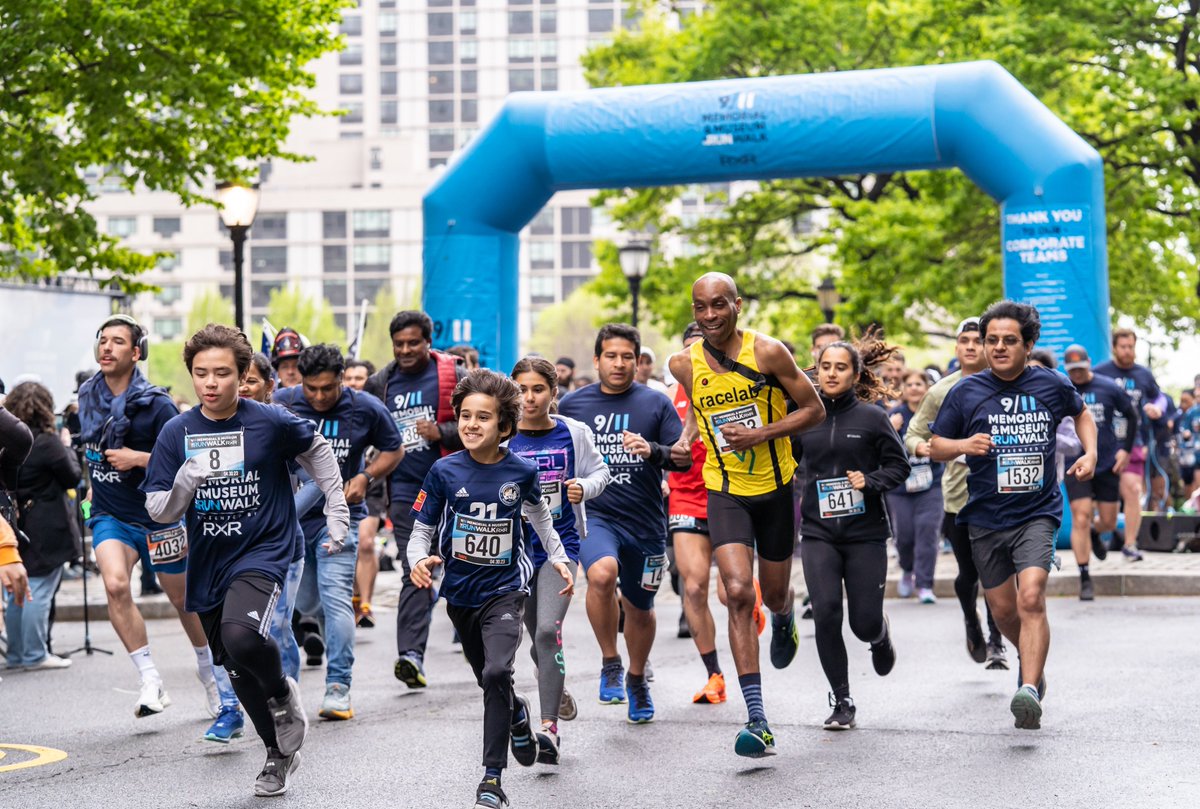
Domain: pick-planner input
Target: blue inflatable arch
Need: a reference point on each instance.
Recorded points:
(973, 116)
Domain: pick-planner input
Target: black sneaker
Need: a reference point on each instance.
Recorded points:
(883, 653)
(997, 656)
(842, 717)
(684, 630)
(1086, 591)
(489, 795)
(976, 645)
(524, 746)
(1098, 549)
(314, 648)
(1117, 541)
(785, 641)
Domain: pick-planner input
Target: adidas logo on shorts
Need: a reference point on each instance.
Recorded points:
(254, 614)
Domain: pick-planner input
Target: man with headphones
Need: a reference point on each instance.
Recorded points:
(121, 415)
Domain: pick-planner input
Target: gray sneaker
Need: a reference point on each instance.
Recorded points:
(272, 780)
(567, 709)
(337, 702)
(291, 725)
(1026, 709)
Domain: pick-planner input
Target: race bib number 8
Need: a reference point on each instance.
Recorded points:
(838, 498)
(223, 455)
(488, 543)
(652, 572)
(1017, 474)
(168, 545)
(745, 416)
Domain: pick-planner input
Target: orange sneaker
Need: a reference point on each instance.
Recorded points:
(713, 691)
(760, 617)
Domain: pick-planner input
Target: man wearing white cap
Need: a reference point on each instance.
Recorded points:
(645, 371)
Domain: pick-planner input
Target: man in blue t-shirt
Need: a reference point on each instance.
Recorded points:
(1097, 498)
(1187, 431)
(121, 414)
(637, 431)
(350, 422)
(1004, 420)
(415, 387)
(1142, 388)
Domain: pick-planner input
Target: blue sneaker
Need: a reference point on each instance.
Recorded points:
(227, 727)
(612, 684)
(641, 707)
(755, 740)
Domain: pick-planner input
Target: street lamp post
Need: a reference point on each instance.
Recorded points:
(828, 297)
(635, 260)
(238, 203)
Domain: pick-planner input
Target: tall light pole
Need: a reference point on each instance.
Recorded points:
(828, 297)
(239, 204)
(635, 260)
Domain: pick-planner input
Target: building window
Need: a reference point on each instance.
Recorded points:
(441, 140)
(351, 26)
(372, 258)
(441, 3)
(520, 50)
(170, 293)
(369, 287)
(570, 283)
(520, 22)
(466, 134)
(387, 53)
(335, 292)
(467, 22)
(441, 82)
(260, 292)
(333, 259)
(576, 221)
(350, 135)
(520, 80)
(377, 156)
(441, 53)
(387, 24)
(549, 21)
(389, 111)
(469, 79)
(469, 111)
(600, 20)
(333, 224)
(122, 226)
(541, 288)
(441, 24)
(351, 54)
(225, 260)
(266, 259)
(270, 225)
(372, 224)
(541, 255)
(167, 226)
(225, 291)
(435, 162)
(543, 223)
(167, 262)
(354, 113)
(576, 255)
(549, 78)
(387, 83)
(350, 84)
(469, 52)
(548, 50)
(168, 328)
(441, 111)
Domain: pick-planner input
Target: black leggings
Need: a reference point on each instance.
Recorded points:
(862, 566)
(241, 644)
(966, 583)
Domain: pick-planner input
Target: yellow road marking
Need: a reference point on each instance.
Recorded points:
(42, 756)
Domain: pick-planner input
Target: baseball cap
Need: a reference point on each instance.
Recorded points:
(646, 352)
(692, 330)
(968, 324)
(1076, 356)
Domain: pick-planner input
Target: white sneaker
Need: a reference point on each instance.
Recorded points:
(50, 662)
(211, 692)
(152, 699)
(926, 596)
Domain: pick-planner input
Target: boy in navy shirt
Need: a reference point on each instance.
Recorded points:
(472, 502)
(1004, 420)
(225, 465)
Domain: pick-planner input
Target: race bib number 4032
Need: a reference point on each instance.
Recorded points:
(168, 545)
(223, 454)
(476, 541)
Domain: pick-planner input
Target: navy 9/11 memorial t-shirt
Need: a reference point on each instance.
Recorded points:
(1017, 481)
(118, 493)
(243, 518)
(634, 496)
(1140, 386)
(1114, 414)
(410, 398)
(483, 548)
(357, 421)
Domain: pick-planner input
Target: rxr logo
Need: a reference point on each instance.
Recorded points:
(226, 529)
(107, 477)
(622, 478)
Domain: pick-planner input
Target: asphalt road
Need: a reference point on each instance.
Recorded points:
(1121, 727)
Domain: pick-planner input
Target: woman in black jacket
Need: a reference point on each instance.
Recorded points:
(47, 520)
(847, 463)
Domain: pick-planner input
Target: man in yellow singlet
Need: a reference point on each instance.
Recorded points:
(739, 382)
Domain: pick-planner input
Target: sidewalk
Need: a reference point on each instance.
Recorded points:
(1160, 574)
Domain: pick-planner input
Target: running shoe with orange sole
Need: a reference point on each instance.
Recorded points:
(760, 617)
(713, 692)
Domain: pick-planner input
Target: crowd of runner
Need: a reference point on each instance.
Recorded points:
(260, 511)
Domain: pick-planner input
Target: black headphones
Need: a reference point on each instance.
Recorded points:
(139, 335)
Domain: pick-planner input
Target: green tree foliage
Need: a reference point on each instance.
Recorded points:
(163, 94)
(312, 317)
(909, 248)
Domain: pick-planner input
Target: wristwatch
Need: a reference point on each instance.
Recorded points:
(369, 477)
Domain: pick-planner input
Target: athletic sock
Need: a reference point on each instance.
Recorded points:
(610, 661)
(1083, 571)
(552, 727)
(632, 679)
(204, 663)
(710, 662)
(782, 619)
(492, 774)
(145, 664)
(751, 685)
(1032, 688)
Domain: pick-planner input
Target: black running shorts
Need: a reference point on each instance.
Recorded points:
(1104, 487)
(765, 522)
(249, 601)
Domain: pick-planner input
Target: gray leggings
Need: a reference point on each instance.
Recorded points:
(544, 613)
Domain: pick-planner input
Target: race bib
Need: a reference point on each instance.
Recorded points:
(488, 543)
(920, 478)
(223, 454)
(681, 522)
(1017, 474)
(652, 572)
(1187, 456)
(746, 416)
(406, 423)
(168, 545)
(1120, 426)
(838, 498)
(552, 493)
(1097, 410)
